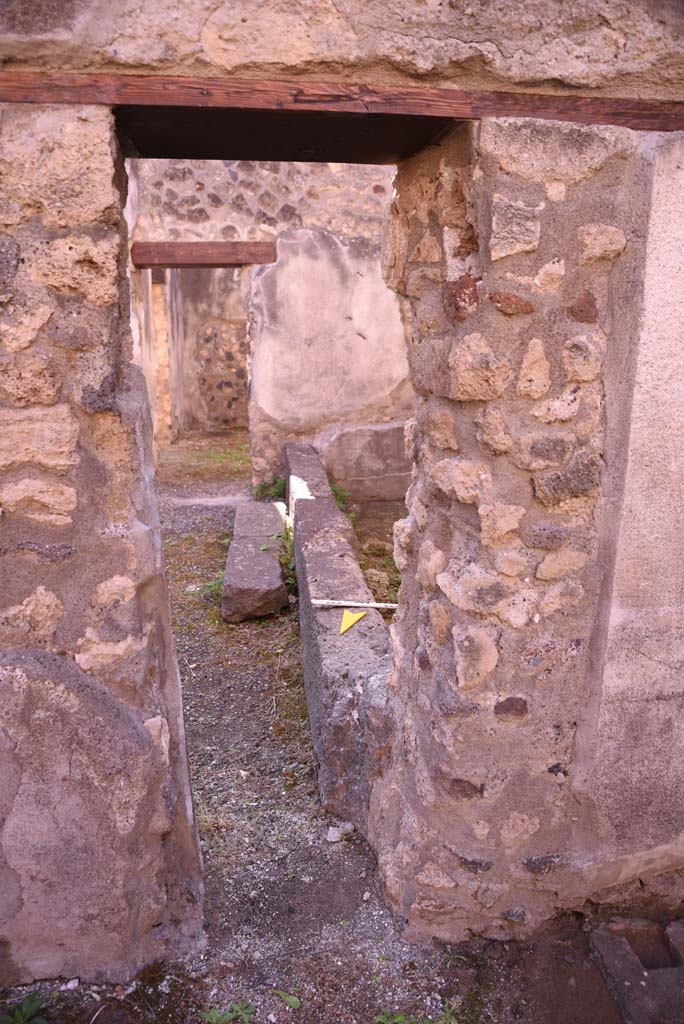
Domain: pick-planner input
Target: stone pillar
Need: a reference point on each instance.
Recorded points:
(152, 351)
(99, 863)
(537, 680)
(164, 432)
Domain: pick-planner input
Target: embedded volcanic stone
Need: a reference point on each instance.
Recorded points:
(558, 563)
(544, 533)
(534, 378)
(476, 656)
(510, 304)
(511, 707)
(600, 242)
(40, 437)
(583, 309)
(580, 477)
(29, 378)
(460, 297)
(463, 479)
(253, 583)
(440, 423)
(478, 373)
(581, 359)
(492, 432)
(561, 409)
(9, 259)
(515, 228)
(541, 450)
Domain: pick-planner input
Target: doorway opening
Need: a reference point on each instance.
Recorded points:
(309, 347)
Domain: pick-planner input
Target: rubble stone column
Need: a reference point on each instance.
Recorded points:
(99, 862)
(530, 253)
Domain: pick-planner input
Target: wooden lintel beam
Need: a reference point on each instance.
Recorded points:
(201, 254)
(119, 90)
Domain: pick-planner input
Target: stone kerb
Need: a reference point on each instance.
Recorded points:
(253, 582)
(345, 677)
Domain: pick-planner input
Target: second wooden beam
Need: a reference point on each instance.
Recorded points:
(201, 254)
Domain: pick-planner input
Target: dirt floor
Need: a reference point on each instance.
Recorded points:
(292, 918)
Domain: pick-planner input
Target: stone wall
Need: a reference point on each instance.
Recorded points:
(327, 339)
(99, 864)
(623, 47)
(210, 343)
(534, 613)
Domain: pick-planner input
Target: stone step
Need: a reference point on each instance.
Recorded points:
(253, 583)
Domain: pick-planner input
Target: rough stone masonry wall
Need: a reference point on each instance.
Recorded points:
(99, 865)
(524, 247)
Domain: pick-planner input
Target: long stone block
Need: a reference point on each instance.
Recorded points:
(253, 583)
(345, 676)
(368, 460)
(304, 474)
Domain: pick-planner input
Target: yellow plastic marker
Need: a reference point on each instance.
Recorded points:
(349, 619)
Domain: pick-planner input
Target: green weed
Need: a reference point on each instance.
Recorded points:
(242, 1011)
(27, 1012)
(449, 1015)
(287, 557)
(212, 588)
(272, 490)
(292, 1001)
(342, 499)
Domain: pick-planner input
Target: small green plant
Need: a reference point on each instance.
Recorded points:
(341, 496)
(212, 588)
(27, 1012)
(292, 1001)
(342, 499)
(242, 1011)
(450, 1014)
(272, 490)
(214, 1016)
(287, 557)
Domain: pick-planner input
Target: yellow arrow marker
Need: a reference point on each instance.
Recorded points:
(349, 619)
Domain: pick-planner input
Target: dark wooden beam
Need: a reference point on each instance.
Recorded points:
(201, 254)
(343, 98)
(209, 133)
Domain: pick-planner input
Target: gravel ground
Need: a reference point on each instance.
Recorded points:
(285, 908)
